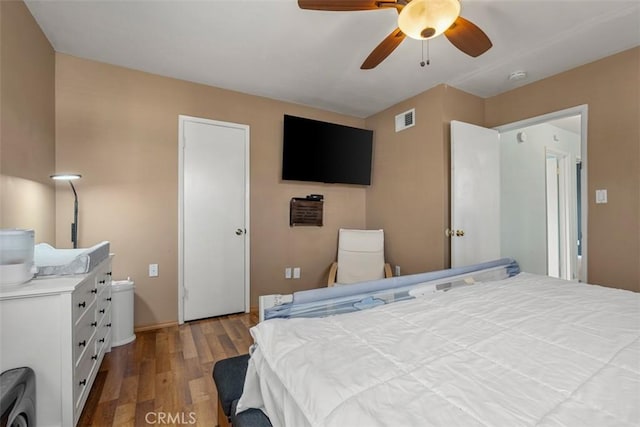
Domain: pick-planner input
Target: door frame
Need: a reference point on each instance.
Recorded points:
(247, 235)
(568, 252)
(582, 111)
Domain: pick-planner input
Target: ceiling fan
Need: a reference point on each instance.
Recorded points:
(418, 19)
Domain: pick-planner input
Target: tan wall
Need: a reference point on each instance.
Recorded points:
(611, 89)
(409, 196)
(119, 129)
(408, 176)
(27, 120)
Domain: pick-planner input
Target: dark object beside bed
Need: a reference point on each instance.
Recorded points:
(228, 375)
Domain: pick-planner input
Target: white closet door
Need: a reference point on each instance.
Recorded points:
(214, 212)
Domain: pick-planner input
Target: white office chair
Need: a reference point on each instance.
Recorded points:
(360, 257)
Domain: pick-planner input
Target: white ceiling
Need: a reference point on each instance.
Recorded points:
(570, 124)
(274, 49)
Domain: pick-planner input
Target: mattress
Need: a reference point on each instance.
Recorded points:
(524, 351)
(53, 262)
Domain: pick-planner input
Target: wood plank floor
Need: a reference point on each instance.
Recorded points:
(164, 376)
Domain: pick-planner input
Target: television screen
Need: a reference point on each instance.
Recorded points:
(326, 152)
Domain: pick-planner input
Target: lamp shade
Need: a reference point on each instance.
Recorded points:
(425, 19)
(65, 176)
(69, 177)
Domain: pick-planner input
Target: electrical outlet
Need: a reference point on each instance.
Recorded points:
(153, 270)
(287, 273)
(296, 272)
(397, 270)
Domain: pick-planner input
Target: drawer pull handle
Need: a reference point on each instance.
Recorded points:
(109, 299)
(94, 291)
(82, 304)
(83, 382)
(94, 324)
(109, 273)
(108, 325)
(82, 343)
(101, 340)
(94, 357)
(102, 311)
(102, 282)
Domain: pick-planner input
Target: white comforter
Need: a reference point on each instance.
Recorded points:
(526, 351)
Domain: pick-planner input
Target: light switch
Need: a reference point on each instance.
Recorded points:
(287, 273)
(296, 273)
(601, 196)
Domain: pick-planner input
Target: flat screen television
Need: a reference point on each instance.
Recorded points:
(326, 152)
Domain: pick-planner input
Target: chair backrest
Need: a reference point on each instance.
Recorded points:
(360, 255)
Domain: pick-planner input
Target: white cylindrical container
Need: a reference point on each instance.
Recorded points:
(122, 312)
(16, 256)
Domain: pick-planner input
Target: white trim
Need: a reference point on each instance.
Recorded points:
(247, 248)
(583, 112)
(568, 251)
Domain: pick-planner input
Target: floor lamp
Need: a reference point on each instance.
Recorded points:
(74, 226)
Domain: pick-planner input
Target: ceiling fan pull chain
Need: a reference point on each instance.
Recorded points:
(428, 54)
(422, 63)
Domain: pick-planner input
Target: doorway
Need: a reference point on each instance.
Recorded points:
(543, 187)
(213, 218)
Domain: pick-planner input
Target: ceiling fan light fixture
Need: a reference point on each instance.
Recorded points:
(425, 19)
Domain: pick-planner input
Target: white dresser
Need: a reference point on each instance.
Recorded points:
(61, 328)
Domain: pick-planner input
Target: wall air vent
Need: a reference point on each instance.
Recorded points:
(406, 120)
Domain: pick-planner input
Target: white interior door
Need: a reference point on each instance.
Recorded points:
(214, 218)
(475, 194)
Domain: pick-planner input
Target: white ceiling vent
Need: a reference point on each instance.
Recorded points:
(406, 120)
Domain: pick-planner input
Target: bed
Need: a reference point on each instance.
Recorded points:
(490, 347)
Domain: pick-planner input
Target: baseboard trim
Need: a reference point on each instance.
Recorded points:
(155, 326)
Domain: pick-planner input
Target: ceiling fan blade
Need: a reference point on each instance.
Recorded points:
(340, 5)
(467, 37)
(383, 50)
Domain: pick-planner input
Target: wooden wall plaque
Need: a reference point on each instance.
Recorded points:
(305, 212)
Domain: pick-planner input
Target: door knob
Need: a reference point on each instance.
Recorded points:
(238, 231)
(450, 233)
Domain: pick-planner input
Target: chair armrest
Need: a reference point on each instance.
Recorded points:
(387, 270)
(332, 274)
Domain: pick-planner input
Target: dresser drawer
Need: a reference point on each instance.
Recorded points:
(104, 303)
(82, 374)
(103, 280)
(82, 298)
(83, 332)
(103, 336)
